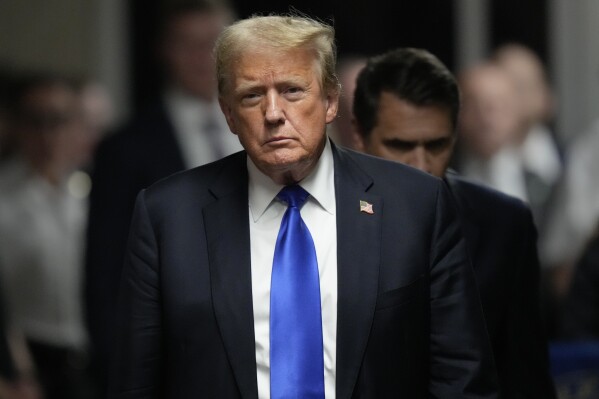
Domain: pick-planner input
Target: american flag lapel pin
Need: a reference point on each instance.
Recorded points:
(366, 207)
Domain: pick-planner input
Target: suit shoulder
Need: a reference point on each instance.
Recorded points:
(485, 200)
(393, 172)
(197, 181)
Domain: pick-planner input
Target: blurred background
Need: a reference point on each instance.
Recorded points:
(108, 49)
(112, 40)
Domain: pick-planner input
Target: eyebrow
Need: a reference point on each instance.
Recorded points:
(395, 140)
(248, 84)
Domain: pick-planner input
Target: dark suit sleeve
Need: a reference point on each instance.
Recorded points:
(136, 366)
(111, 203)
(524, 361)
(461, 359)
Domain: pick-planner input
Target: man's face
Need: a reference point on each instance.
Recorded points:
(187, 51)
(418, 136)
(276, 106)
(51, 128)
(491, 116)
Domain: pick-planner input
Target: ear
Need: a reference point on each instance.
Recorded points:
(358, 139)
(228, 112)
(332, 105)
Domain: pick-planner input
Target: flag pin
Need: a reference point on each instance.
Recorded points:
(366, 207)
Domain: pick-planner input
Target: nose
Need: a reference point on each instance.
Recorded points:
(274, 113)
(419, 159)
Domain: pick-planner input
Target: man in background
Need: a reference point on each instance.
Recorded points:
(489, 123)
(182, 129)
(505, 141)
(538, 153)
(42, 229)
(406, 108)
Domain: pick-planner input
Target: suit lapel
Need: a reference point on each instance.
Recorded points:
(228, 242)
(358, 257)
(470, 226)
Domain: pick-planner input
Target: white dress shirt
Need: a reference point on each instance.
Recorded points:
(266, 213)
(41, 260)
(505, 170)
(189, 116)
(540, 155)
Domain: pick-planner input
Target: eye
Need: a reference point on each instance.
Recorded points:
(250, 98)
(293, 92)
(438, 145)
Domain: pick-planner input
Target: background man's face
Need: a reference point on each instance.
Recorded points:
(490, 116)
(187, 50)
(418, 136)
(51, 129)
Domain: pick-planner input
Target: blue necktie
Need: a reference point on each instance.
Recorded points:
(296, 356)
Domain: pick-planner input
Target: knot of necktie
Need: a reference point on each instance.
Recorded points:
(293, 195)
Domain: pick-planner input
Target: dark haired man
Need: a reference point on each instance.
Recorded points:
(406, 107)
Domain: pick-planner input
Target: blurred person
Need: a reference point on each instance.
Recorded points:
(183, 128)
(341, 130)
(538, 150)
(98, 115)
(42, 224)
(406, 109)
(574, 210)
(488, 124)
(509, 94)
(206, 283)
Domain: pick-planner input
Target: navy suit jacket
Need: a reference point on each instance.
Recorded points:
(409, 320)
(501, 239)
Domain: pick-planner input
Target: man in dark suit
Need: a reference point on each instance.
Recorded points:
(184, 128)
(398, 310)
(405, 108)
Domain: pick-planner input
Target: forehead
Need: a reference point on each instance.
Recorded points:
(489, 83)
(397, 118)
(262, 65)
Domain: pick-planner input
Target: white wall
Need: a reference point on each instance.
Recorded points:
(471, 29)
(44, 34)
(574, 48)
(90, 36)
(71, 36)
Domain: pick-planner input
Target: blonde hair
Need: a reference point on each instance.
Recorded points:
(279, 32)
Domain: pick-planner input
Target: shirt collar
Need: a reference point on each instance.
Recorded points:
(319, 183)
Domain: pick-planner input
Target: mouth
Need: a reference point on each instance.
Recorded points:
(278, 140)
